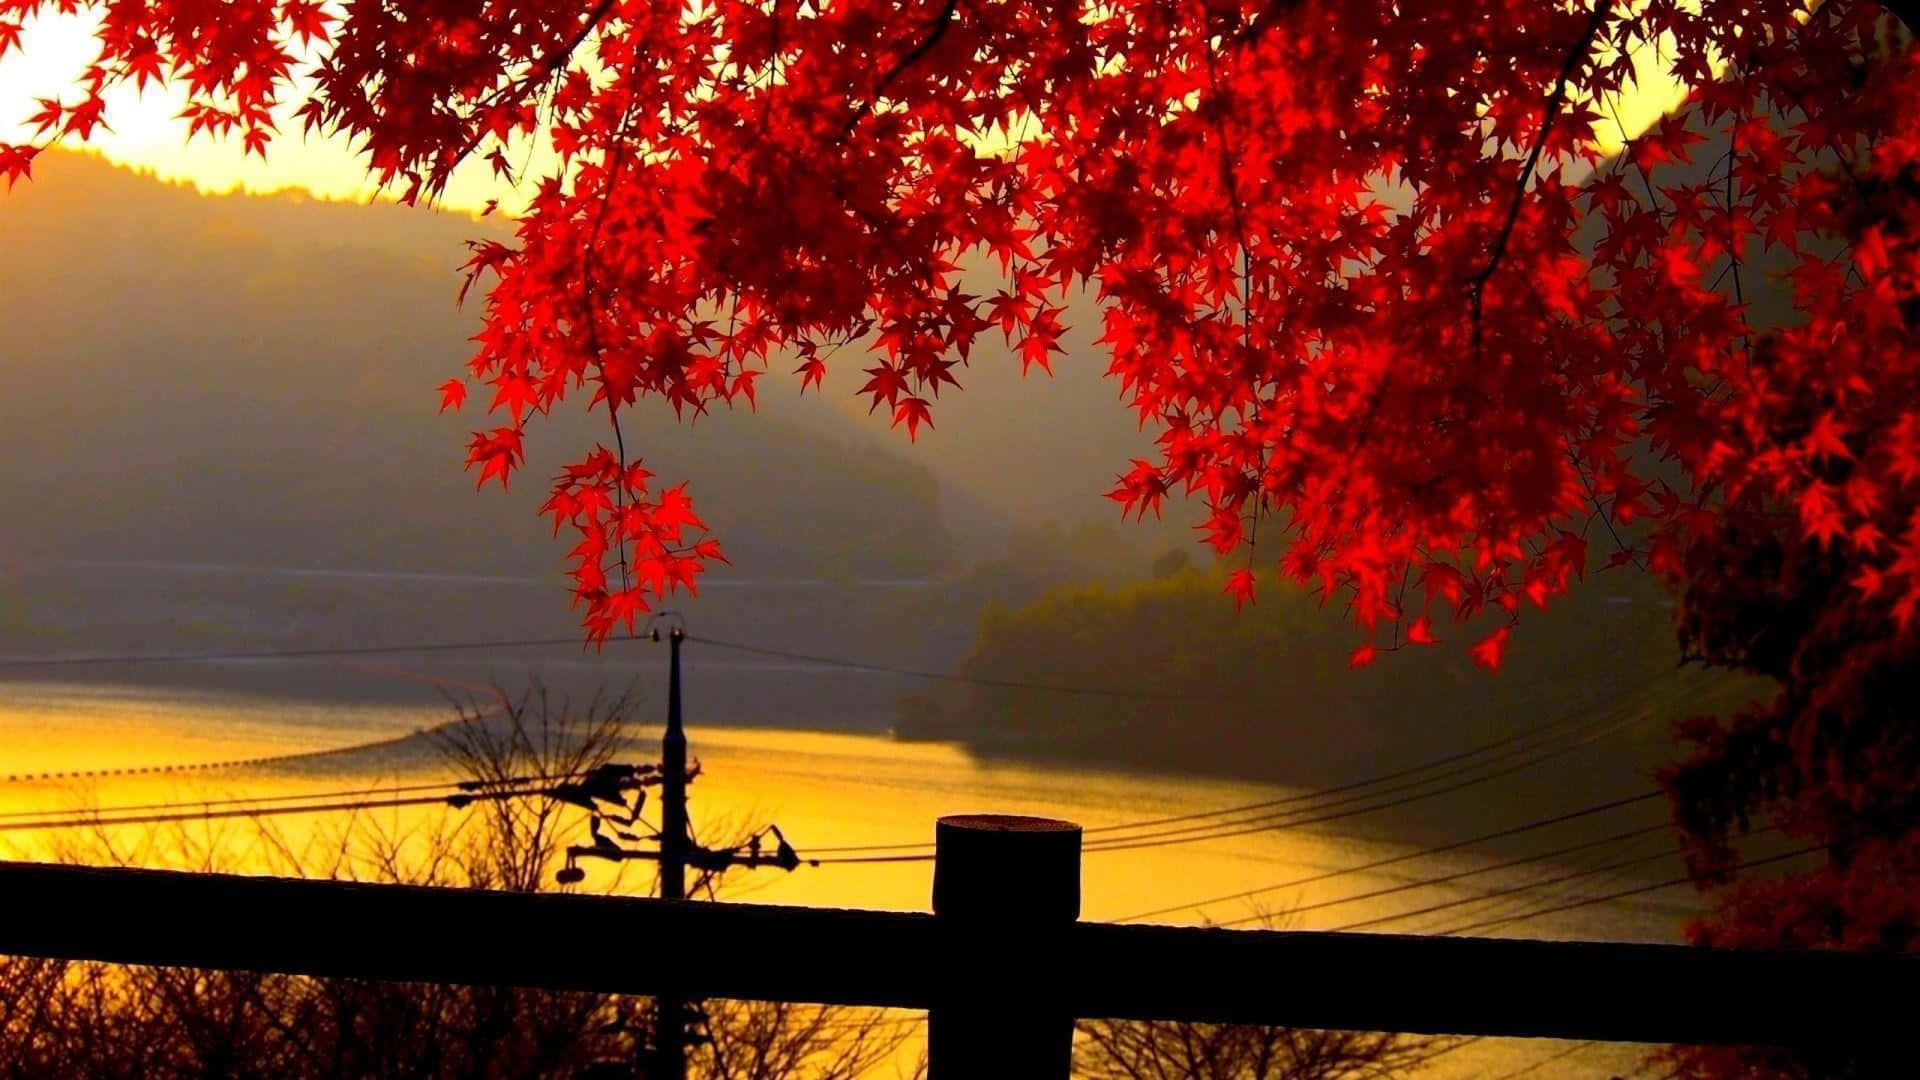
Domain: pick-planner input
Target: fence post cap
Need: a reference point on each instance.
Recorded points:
(1017, 823)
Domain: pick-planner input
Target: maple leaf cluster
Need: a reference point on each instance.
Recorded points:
(1362, 266)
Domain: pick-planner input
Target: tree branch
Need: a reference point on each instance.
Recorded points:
(541, 72)
(1477, 284)
(936, 30)
(617, 148)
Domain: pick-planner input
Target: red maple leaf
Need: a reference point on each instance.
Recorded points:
(1489, 651)
(1241, 585)
(913, 412)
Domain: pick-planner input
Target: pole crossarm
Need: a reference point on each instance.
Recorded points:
(1384, 982)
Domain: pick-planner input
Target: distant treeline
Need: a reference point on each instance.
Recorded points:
(1280, 700)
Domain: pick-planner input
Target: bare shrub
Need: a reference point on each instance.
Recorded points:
(1171, 1050)
(72, 1019)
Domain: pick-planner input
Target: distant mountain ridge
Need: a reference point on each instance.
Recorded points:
(250, 379)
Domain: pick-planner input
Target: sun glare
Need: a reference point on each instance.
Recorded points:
(144, 130)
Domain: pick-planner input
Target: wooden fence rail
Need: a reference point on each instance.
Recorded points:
(1042, 969)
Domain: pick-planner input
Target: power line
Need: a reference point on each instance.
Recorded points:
(97, 821)
(1391, 860)
(1427, 883)
(1442, 879)
(1185, 836)
(1335, 790)
(1152, 840)
(232, 763)
(1572, 721)
(1571, 875)
(453, 786)
(1214, 829)
(1544, 894)
(1290, 800)
(853, 859)
(1375, 864)
(975, 680)
(1548, 1060)
(1638, 860)
(1460, 1043)
(319, 652)
(1267, 823)
(1518, 901)
(255, 762)
(1623, 893)
(322, 652)
(1124, 843)
(245, 800)
(1274, 819)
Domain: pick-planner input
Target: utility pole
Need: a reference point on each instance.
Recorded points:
(600, 795)
(670, 1022)
(674, 837)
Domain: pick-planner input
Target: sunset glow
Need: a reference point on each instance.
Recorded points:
(939, 539)
(143, 130)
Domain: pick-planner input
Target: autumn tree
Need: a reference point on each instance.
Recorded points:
(1831, 760)
(1333, 245)
(1406, 302)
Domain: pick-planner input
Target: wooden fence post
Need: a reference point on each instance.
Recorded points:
(1005, 889)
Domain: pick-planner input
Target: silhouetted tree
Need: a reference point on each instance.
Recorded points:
(779, 1040)
(1164, 1050)
(1832, 758)
(1172, 1050)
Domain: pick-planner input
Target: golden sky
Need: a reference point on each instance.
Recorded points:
(146, 132)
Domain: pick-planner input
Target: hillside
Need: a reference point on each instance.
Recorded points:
(222, 435)
(250, 379)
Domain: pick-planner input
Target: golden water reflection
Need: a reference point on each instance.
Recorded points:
(823, 790)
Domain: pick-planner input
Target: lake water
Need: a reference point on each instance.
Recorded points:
(837, 790)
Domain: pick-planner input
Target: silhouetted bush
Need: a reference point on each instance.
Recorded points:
(72, 1019)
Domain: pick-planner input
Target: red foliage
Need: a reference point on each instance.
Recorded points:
(1831, 762)
(1360, 264)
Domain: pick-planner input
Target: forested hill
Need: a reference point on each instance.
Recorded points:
(251, 379)
(1187, 682)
